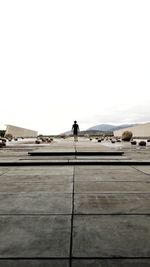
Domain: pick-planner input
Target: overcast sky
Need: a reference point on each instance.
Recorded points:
(62, 61)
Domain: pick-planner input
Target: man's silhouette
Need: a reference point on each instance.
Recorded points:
(75, 128)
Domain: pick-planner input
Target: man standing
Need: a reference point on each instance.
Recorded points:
(75, 129)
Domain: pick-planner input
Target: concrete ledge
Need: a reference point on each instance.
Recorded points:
(73, 162)
(77, 153)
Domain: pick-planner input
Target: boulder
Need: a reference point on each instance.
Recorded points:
(44, 140)
(49, 140)
(133, 142)
(3, 139)
(37, 141)
(142, 143)
(126, 136)
(2, 143)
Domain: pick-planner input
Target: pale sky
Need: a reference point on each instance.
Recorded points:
(62, 61)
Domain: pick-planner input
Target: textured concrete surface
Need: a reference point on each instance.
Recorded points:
(111, 236)
(35, 203)
(145, 169)
(112, 263)
(34, 263)
(37, 178)
(112, 203)
(96, 216)
(99, 187)
(99, 173)
(2, 171)
(38, 170)
(34, 236)
(37, 187)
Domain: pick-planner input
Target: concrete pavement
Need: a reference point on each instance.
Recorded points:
(95, 216)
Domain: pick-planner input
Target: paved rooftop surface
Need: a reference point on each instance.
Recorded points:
(62, 216)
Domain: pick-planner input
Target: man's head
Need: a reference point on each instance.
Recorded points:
(75, 121)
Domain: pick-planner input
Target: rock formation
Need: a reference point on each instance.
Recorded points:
(142, 143)
(126, 136)
(133, 142)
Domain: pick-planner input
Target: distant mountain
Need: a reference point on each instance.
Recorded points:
(109, 127)
(101, 129)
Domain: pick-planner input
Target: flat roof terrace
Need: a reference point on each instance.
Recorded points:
(74, 215)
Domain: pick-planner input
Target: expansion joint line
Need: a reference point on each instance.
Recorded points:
(72, 214)
(75, 147)
(4, 173)
(140, 171)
